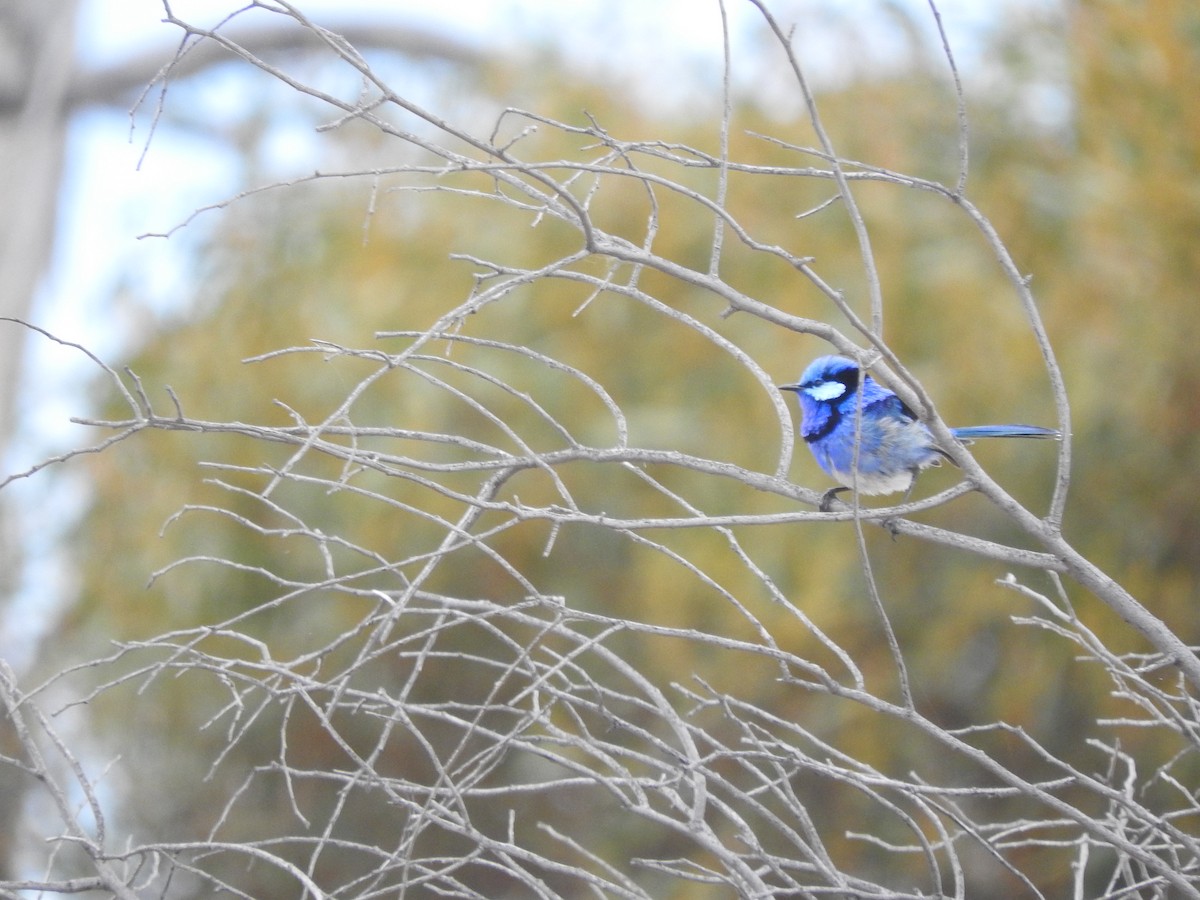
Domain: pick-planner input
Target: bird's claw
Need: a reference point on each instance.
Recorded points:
(827, 499)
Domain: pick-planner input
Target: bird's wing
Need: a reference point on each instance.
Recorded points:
(895, 406)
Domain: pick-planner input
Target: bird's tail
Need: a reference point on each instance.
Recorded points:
(989, 431)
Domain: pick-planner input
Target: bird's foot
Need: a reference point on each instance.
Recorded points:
(828, 497)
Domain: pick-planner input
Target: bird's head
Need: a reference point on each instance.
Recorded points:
(828, 379)
(826, 388)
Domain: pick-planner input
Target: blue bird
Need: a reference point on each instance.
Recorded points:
(894, 446)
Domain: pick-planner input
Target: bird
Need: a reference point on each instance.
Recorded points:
(894, 446)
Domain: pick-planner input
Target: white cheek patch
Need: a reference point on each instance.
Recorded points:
(826, 391)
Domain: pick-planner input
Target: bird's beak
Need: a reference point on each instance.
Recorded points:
(788, 387)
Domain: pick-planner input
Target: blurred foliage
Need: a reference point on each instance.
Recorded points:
(1100, 202)
(1130, 295)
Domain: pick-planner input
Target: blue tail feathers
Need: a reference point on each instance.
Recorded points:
(971, 432)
